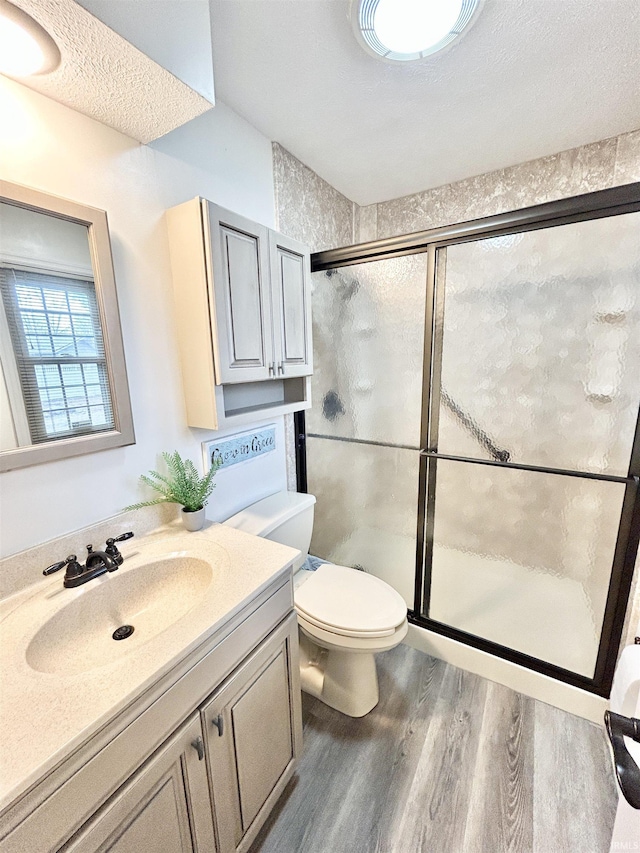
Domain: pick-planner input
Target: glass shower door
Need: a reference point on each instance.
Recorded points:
(533, 410)
(363, 432)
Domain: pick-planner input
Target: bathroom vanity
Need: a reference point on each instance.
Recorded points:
(184, 741)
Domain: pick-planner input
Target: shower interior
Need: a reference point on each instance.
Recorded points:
(483, 460)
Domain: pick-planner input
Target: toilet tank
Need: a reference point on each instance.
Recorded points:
(286, 517)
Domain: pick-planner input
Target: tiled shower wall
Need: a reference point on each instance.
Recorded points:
(311, 210)
(307, 207)
(609, 163)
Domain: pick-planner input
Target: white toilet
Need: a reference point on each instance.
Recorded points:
(345, 616)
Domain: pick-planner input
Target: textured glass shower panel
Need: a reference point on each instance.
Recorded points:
(366, 510)
(523, 558)
(541, 346)
(368, 334)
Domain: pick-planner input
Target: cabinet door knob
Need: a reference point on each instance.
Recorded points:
(272, 368)
(218, 722)
(198, 745)
(281, 368)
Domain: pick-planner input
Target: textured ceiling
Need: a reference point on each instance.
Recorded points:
(107, 78)
(174, 33)
(530, 78)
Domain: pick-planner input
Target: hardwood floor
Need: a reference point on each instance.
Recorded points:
(448, 762)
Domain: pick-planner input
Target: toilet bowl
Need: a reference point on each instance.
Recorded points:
(345, 616)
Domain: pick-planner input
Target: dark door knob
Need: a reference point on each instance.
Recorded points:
(627, 771)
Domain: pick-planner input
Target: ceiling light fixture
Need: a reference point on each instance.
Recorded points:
(25, 47)
(405, 30)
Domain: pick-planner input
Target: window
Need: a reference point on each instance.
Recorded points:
(60, 360)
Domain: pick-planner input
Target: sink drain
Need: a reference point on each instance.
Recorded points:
(123, 632)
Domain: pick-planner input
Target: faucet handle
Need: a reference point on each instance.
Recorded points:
(54, 567)
(71, 561)
(112, 548)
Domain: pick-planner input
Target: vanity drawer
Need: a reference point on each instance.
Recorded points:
(74, 796)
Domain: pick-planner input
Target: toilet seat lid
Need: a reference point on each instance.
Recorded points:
(350, 601)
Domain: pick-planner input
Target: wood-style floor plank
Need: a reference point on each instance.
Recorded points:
(500, 815)
(429, 673)
(575, 794)
(435, 810)
(448, 762)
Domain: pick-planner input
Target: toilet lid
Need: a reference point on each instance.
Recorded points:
(351, 602)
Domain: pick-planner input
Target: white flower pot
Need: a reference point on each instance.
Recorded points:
(193, 520)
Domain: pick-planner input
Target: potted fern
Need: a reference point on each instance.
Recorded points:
(183, 485)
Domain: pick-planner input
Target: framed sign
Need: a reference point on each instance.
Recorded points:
(233, 449)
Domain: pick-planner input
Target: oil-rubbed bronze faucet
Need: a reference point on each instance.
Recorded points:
(97, 563)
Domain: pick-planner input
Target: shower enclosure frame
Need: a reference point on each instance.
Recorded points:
(604, 203)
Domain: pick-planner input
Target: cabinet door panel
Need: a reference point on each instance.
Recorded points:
(165, 808)
(293, 325)
(263, 737)
(241, 310)
(158, 824)
(243, 292)
(290, 284)
(258, 712)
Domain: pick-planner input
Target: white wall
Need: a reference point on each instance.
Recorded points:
(50, 147)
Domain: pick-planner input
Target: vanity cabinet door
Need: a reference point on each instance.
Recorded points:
(291, 294)
(241, 305)
(164, 808)
(253, 735)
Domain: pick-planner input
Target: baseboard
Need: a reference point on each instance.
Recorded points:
(534, 684)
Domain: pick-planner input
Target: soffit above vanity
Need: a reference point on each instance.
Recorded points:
(105, 77)
(174, 33)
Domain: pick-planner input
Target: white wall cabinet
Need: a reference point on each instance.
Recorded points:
(243, 307)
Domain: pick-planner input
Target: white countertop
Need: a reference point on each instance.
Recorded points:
(44, 716)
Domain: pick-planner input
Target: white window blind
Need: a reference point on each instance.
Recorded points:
(56, 334)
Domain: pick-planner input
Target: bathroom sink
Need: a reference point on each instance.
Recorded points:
(147, 594)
